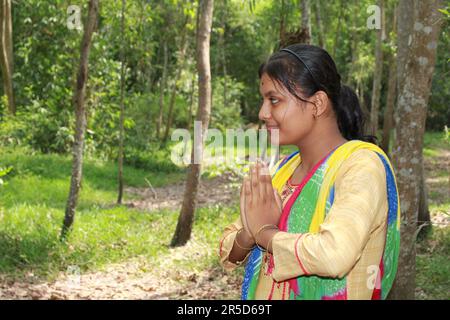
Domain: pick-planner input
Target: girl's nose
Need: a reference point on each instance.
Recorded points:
(264, 113)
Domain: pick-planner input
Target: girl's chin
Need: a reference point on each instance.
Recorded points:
(276, 137)
(276, 141)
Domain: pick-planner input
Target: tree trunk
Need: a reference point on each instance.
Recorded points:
(6, 54)
(162, 89)
(378, 74)
(355, 43)
(424, 219)
(191, 103)
(306, 20)
(405, 21)
(338, 29)
(122, 107)
(194, 77)
(389, 109)
(388, 119)
(320, 34)
(222, 46)
(173, 95)
(411, 114)
(282, 24)
(80, 114)
(186, 218)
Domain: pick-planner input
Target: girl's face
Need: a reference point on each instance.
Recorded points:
(280, 110)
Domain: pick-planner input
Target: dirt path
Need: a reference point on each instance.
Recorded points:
(130, 280)
(223, 189)
(438, 186)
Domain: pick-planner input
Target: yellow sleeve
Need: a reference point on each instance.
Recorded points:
(360, 190)
(226, 244)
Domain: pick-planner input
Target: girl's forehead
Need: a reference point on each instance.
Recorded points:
(268, 84)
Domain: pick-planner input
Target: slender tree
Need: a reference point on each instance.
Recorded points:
(282, 30)
(6, 53)
(410, 117)
(222, 48)
(355, 43)
(306, 20)
(378, 74)
(318, 15)
(388, 119)
(162, 88)
(181, 59)
(390, 102)
(339, 25)
(186, 218)
(122, 106)
(80, 115)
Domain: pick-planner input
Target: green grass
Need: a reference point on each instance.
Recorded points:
(433, 252)
(32, 204)
(436, 140)
(433, 267)
(434, 143)
(29, 238)
(44, 180)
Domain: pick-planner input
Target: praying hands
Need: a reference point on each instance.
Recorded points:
(261, 205)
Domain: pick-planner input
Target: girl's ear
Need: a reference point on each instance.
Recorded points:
(320, 101)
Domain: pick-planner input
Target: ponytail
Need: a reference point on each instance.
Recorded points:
(350, 117)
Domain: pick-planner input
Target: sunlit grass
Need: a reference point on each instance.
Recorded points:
(433, 267)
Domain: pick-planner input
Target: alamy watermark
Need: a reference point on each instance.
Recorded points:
(74, 18)
(229, 148)
(374, 20)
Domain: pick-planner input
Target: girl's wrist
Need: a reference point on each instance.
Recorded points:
(265, 238)
(245, 238)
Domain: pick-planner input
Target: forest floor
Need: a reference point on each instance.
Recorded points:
(138, 278)
(165, 277)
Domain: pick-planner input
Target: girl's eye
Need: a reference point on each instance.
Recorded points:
(274, 100)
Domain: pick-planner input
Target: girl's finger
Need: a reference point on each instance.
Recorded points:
(261, 191)
(266, 181)
(242, 207)
(278, 199)
(247, 187)
(248, 196)
(254, 184)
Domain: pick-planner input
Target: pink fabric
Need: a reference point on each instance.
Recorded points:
(287, 209)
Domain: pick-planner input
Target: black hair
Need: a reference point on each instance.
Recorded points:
(320, 73)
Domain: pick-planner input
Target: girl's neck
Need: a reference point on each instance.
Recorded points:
(313, 150)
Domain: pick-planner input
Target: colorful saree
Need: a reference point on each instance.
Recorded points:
(306, 210)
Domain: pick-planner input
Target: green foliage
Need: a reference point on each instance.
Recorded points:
(438, 111)
(4, 172)
(226, 114)
(46, 57)
(156, 160)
